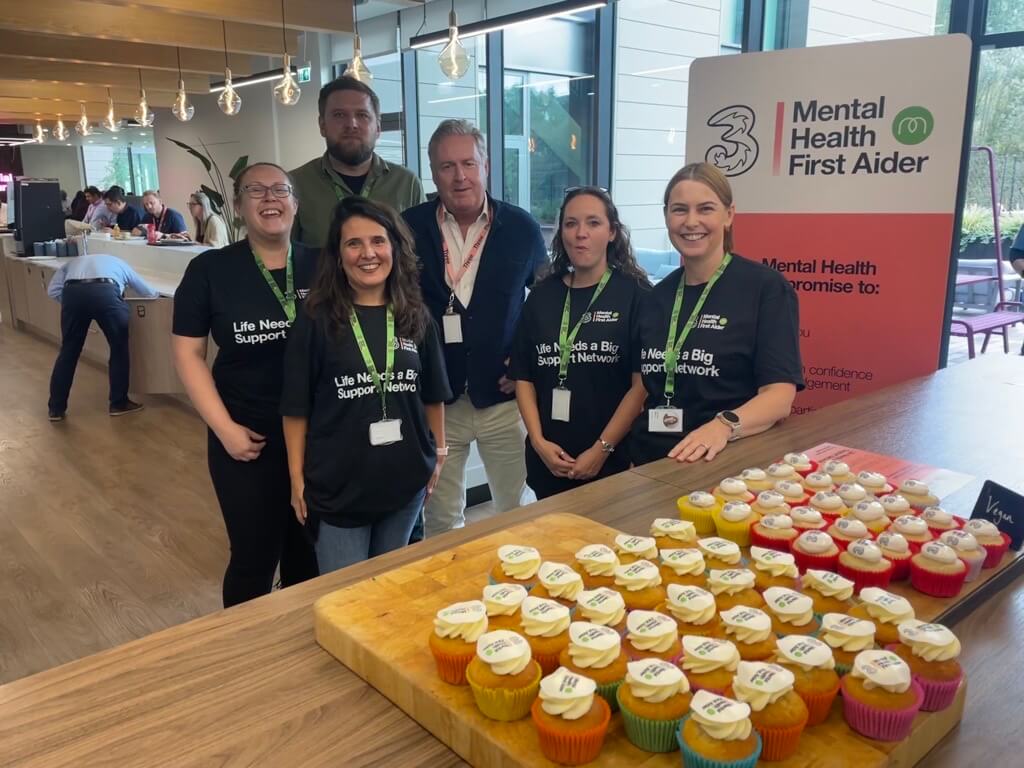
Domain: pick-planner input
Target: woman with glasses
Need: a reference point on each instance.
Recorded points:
(246, 296)
(210, 228)
(574, 354)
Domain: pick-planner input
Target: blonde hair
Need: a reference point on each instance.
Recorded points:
(713, 179)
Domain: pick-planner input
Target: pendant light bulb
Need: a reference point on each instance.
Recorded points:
(144, 115)
(60, 131)
(287, 92)
(82, 127)
(229, 101)
(181, 108)
(453, 60)
(110, 121)
(39, 134)
(357, 68)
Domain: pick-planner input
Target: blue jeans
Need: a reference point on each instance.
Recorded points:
(340, 547)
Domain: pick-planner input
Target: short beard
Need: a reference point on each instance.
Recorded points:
(357, 156)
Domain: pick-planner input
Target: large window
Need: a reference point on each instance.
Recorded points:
(1004, 16)
(387, 83)
(127, 159)
(799, 23)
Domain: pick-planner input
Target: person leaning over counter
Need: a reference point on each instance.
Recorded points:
(364, 391)
(730, 326)
(210, 227)
(350, 124)
(574, 351)
(167, 221)
(246, 295)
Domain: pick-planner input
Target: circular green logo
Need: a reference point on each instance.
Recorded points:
(722, 321)
(913, 125)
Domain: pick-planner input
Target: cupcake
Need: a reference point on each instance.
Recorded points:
(732, 489)
(852, 494)
(931, 652)
(839, 470)
(457, 627)
(939, 520)
(815, 549)
(793, 492)
(814, 673)
(895, 506)
(830, 505)
(913, 529)
(733, 522)
(596, 563)
(602, 606)
(750, 630)
(652, 635)
(872, 514)
(778, 714)
(780, 470)
(733, 587)
(801, 463)
(886, 610)
(516, 565)
(792, 613)
(558, 582)
(770, 502)
(774, 532)
(808, 519)
(698, 508)
(896, 549)
(995, 542)
(918, 494)
(709, 662)
(629, 548)
(718, 734)
(670, 533)
(683, 566)
(880, 698)
(502, 602)
(847, 530)
(640, 585)
(596, 652)
(654, 699)
(773, 568)
(719, 553)
(830, 592)
(846, 636)
(757, 480)
(694, 610)
(875, 483)
(937, 571)
(967, 549)
(863, 564)
(502, 675)
(571, 720)
(818, 481)
(545, 625)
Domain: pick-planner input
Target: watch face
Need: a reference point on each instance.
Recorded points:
(731, 417)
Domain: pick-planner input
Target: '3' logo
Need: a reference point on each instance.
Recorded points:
(737, 149)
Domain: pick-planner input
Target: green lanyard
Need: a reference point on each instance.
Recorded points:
(389, 356)
(364, 192)
(672, 350)
(286, 299)
(567, 339)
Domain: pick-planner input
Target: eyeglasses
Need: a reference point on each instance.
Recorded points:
(584, 187)
(259, 191)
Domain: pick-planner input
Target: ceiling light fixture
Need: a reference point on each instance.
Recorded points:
(357, 68)
(287, 92)
(507, 21)
(110, 121)
(181, 109)
(60, 131)
(82, 127)
(453, 59)
(143, 115)
(39, 134)
(229, 101)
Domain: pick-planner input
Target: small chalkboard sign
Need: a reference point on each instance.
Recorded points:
(1004, 508)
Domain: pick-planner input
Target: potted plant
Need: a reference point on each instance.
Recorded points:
(977, 232)
(218, 192)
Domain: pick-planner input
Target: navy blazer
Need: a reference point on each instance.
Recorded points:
(512, 256)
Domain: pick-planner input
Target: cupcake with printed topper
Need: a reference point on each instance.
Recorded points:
(718, 734)
(757, 480)
(872, 514)
(897, 550)
(750, 630)
(886, 610)
(457, 627)
(732, 489)
(596, 652)
(937, 571)
(846, 636)
(778, 714)
(699, 508)
(847, 530)
(653, 700)
(545, 625)
(652, 635)
(640, 585)
(818, 481)
(733, 522)
(558, 582)
(801, 463)
(694, 609)
(895, 506)
(629, 548)
(830, 504)
(602, 606)
(780, 470)
(684, 567)
(774, 532)
(814, 673)
(931, 651)
(995, 542)
(570, 718)
(853, 493)
(875, 483)
(517, 564)
(967, 549)
(880, 697)
(863, 564)
(503, 602)
(918, 494)
(709, 663)
(503, 676)
(940, 520)
(720, 553)
(808, 519)
(839, 471)
(671, 533)
(830, 592)
(734, 586)
(793, 492)
(596, 564)
(770, 502)
(792, 613)
(913, 529)
(815, 549)
(773, 568)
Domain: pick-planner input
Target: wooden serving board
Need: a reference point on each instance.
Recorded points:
(379, 629)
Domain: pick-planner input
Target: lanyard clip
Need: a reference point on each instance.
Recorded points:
(561, 382)
(451, 304)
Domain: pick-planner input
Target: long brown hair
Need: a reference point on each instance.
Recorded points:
(710, 177)
(331, 295)
(619, 252)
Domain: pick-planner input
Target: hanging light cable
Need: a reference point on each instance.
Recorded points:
(60, 131)
(453, 60)
(110, 121)
(181, 109)
(143, 114)
(357, 68)
(287, 92)
(229, 101)
(82, 127)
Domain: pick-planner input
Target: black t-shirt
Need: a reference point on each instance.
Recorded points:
(600, 367)
(224, 293)
(350, 483)
(355, 183)
(747, 336)
(129, 218)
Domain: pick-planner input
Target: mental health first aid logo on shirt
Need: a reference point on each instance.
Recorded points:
(709, 322)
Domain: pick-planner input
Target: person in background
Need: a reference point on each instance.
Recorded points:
(1016, 254)
(719, 337)
(97, 215)
(65, 205)
(363, 457)
(246, 296)
(79, 206)
(478, 255)
(127, 216)
(91, 288)
(350, 125)
(573, 360)
(167, 221)
(210, 227)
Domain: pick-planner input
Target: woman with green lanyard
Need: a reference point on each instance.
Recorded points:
(246, 296)
(364, 391)
(574, 349)
(719, 339)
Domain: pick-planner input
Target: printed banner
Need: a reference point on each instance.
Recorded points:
(844, 163)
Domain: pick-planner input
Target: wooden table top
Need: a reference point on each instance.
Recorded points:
(249, 686)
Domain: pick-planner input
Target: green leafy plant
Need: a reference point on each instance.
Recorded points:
(217, 190)
(977, 226)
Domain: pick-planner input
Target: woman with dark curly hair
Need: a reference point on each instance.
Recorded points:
(364, 391)
(573, 360)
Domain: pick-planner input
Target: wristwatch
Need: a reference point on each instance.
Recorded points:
(606, 447)
(732, 421)
(441, 451)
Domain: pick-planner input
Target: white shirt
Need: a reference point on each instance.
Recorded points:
(458, 250)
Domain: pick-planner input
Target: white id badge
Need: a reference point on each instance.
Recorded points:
(386, 432)
(452, 326)
(560, 399)
(665, 420)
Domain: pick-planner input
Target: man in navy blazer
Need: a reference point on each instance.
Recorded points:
(478, 256)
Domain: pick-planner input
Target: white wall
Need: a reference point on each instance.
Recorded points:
(52, 161)
(839, 21)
